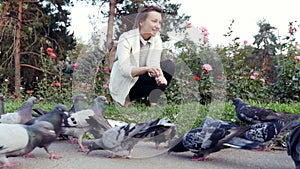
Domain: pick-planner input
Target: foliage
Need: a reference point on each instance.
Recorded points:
(45, 24)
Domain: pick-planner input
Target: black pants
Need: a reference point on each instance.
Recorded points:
(146, 86)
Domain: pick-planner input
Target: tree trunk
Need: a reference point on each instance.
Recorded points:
(3, 17)
(110, 26)
(17, 51)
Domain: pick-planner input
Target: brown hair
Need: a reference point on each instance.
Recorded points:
(143, 14)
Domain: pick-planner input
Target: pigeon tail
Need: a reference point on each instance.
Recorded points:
(241, 143)
(179, 147)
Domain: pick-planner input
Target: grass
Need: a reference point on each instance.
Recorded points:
(186, 116)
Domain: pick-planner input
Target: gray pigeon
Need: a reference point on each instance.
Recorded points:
(254, 114)
(1, 104)
(293, 146)
(160, 136)
(212, 136)
(80, 103)
(86, 120)
(124, 138)
(55, 117)
(22, 115)
(269, 131)
(19, 139)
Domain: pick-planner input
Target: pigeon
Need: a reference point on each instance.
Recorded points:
(19, 139)
(22, 115)
(124, 138)
(80, 103)
(293, 146)
(254, 114)
(1, 104)
(55, 117)
(268, 131)
(87, 121)
(160, 136)
(212, 136)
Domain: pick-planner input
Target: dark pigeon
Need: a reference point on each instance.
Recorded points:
(22, 115)
(212, 136)
(1, 104)
(293, 146)
(18, 139)
(86, 121)
(55, 117)
(268, 131)
(124, 138)
(254, 114)
(161, 136)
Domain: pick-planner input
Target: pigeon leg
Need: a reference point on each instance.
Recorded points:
(9, 164)
(82, 148)
(28, 156)
(73, 141)
(127, 156)
(53, 156)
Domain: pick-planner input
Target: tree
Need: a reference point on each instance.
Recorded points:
(44, 24)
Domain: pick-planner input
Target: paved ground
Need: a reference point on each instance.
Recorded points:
(146, 157)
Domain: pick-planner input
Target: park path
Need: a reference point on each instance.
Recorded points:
(146, 157)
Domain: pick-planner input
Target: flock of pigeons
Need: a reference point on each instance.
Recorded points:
(22, 131)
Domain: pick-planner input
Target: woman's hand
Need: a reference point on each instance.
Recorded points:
(154, 72)
(161, 81)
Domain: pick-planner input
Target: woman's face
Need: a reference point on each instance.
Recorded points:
(151, 25)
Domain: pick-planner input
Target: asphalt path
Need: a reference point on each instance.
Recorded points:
(145, 156)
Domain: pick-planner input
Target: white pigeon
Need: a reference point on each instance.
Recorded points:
(19, 139)
(85, 120)
(22, 115)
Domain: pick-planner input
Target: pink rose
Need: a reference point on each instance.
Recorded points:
(252, 77)
(207, 67)
(106, 69)
(105, 86)
(245, 42)
(188, 25)
(297, 58)
(75, 65)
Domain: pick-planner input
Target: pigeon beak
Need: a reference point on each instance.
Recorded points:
(52, 132)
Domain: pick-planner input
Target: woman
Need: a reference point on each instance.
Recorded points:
(138, 71)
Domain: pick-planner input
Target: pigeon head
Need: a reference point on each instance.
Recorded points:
(80, 97)
(102, 99)
(94, 146)
(33, 100)
(44, 128)
(237, 101)
(62, 109)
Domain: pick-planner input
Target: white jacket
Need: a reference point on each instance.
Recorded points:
(128, 53)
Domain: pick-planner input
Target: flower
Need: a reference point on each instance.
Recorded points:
(53, 55)
(297, 58)
(57, 84)
(245, 42)
(75, 65)
(197, 78)
(219, 77)
(98, 68)
(207, 67)
(105, 86)
(262, 80)
(50, 50)
(106, 69)
(29, 91)
(256, 74)
(203, 29)
(252, 77)
(188, 25)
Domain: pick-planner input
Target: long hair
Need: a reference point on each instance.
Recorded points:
(143, 14)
